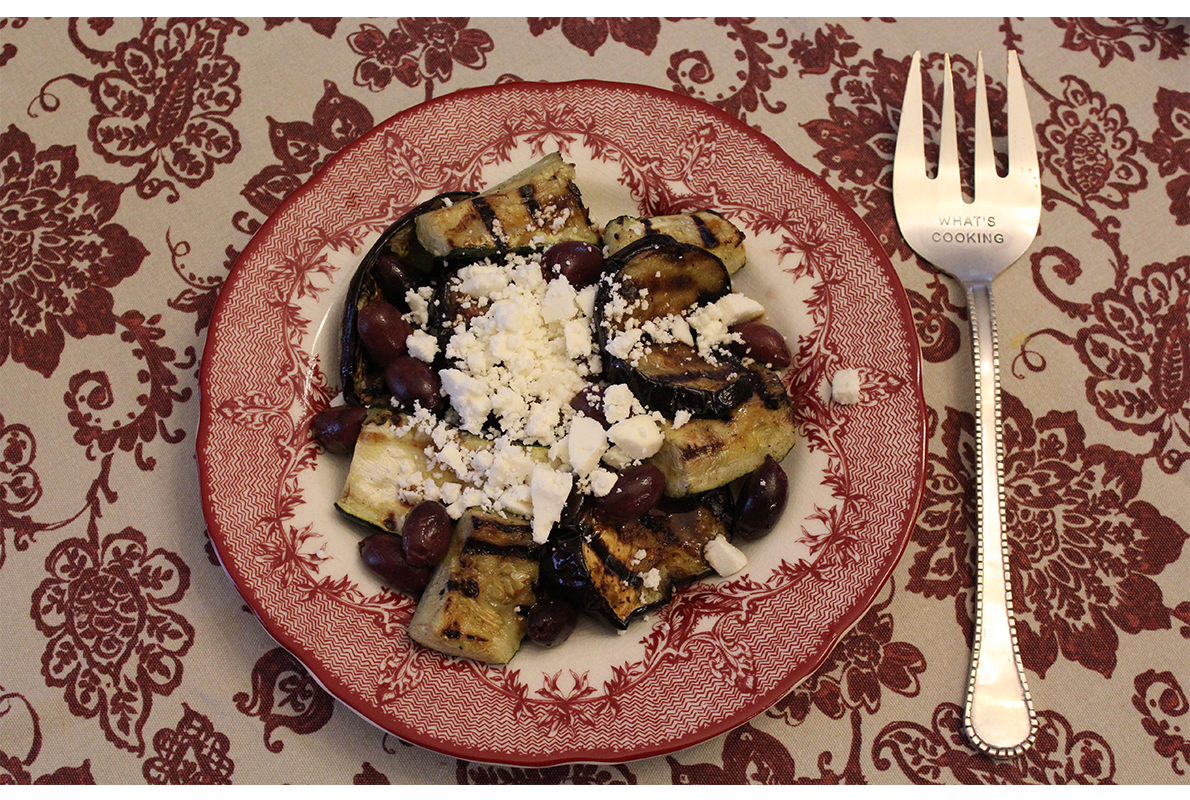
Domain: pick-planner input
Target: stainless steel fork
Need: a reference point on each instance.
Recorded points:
(974, 242)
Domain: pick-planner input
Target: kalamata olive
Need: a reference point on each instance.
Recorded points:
(578, 262)
(763, 343)
(761, 501)
(413, 382)
(384, 555)
(395, 278)
(589, 403)
(426, 534)
(383, 331)
(551, 621)
(337, 428)
(638, 489)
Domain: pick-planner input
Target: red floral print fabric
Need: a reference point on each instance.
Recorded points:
(140, 156)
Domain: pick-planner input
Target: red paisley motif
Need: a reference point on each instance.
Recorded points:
(941, 754)
(863, 663)
(589, 34)
(1089, 148)
(1137, 351)
(301, 148)
(114, 641)
(419, 50)
(20, 750)
(20, 485)
(573, 774)
(1163, 706)
(280, 682)
(1170, 149)
(322, 25)
(693, 74)
(1084, 549)
(369, 776)
(749, 756)
(1108, 39)
(166, 104)
(192, 753)
(60, 252)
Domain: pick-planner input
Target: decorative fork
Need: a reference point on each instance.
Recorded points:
(974, 242)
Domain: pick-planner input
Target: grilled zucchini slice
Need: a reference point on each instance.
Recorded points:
(478, 599)
(537, 207)
(706, 453)
(381, 464)
(388, 470)
(621, 570)
(708, 229)
(363, 379)
(654, 278)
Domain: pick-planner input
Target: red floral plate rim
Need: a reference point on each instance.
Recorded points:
(725, 649)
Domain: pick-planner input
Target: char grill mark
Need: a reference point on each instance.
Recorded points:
(487, 216)
(528, 195)
(709, 240)
(476, 547)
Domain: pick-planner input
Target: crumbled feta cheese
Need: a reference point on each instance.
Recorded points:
(419, 305)
(617, 458)
(735, 308)
(681, 418)
(511, 348)
(585, 299)
(651, 579)
(483, 280)
(845, 386)
(468, 396)
(618, 402)
(621, 346)
(724, 557)
(422, 346)
(549, 490)
(586, 444)
(560, 301)
(638, 436)
(602, 481)
(579, 344)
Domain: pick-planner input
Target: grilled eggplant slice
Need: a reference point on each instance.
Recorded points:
(705, 453)
(708, 229)
(363, 379)
(621, 570)
(654, 278)
(535, 208)
(477, 602)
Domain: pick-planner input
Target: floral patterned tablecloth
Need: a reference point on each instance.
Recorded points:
(138, 157)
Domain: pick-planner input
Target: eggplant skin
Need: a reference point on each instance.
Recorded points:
(658, 276)
(598, 563)
(362, 379)
(706, 228)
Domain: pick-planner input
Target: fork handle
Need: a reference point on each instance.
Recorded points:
(998, 718)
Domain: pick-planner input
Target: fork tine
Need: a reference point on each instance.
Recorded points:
(1022, 151)
(985, 157)
(909, 158)
(948, 147)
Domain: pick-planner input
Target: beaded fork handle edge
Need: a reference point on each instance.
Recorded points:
(998, 716)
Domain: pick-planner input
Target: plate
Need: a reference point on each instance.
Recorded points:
(725, 649)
